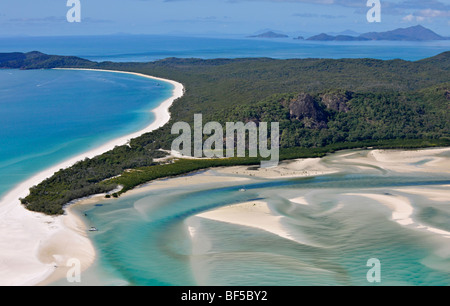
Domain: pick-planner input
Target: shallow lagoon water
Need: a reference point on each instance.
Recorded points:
(145, 238)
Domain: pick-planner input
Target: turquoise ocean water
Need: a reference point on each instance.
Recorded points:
(49, 116)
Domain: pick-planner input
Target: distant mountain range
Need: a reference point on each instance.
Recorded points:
(326, 37)
(346, 32)
(415, 33)
(270, 34)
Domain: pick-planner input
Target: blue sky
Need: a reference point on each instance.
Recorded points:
(217, 17)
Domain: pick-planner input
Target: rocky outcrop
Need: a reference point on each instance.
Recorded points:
(306, 109)
(336, 101)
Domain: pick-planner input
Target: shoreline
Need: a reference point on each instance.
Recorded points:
(236, 175)
(30, 232)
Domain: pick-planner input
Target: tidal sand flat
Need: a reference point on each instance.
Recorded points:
(43, 244)
(305, 222)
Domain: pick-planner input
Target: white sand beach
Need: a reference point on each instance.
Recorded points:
(257, 214)
(34, 245)
(285, 169)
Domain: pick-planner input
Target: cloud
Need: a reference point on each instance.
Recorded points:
(346, 3)
(407, 10)
(422, 4)
(388, 6)
(429, 13)
(300, 1)
(411, 9)
(327, 16)
(426, 15)
(53, 20)
(38, 20)
(208, 19)
(412, 18)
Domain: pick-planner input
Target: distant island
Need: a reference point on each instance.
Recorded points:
(326, 37)
(415, 33)
(269, 34)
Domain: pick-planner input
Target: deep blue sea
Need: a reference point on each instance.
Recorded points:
(48, 116)
(144, 48)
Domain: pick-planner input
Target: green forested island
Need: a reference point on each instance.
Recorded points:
(322, 105)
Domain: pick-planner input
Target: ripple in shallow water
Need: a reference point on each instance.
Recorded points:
(330, 226)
